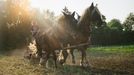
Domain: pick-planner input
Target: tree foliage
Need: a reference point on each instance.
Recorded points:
(129, 22)
(15, 23)
(115, 24)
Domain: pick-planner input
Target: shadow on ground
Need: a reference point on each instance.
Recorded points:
(77, 70)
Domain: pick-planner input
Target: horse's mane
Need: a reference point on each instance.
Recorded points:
(84, 18)
(61, 19)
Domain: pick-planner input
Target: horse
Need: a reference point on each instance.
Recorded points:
(50, 40)
(82, 32)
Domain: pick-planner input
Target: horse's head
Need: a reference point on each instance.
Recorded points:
(91, 16)
(67, 23)
(69, 18)
(95, 15)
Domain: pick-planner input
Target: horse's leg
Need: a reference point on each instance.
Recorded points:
(39, 49)
(84, 61)
(44, 58)
(55, 59)
(72, 54)
(63, 56)
(82, 57)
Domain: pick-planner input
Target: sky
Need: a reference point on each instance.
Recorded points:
(118, 9)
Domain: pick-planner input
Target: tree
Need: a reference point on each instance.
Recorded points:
(17, 22)
(3, 26)
(115, 24)
(129, 22)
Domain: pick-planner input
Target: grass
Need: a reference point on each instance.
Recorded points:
(16, 66)
(114, 49)
(109, 60)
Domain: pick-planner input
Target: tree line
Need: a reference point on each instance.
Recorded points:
(114, 32)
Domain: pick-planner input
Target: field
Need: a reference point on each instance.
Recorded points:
(109, 60)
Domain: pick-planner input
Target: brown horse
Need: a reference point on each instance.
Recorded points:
(81, 32)
(50, 40)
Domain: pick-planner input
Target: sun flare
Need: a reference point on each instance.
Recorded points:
(52, 5)
(36, 4)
